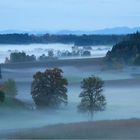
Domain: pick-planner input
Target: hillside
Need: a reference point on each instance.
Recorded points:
(126, 51)
(119, 129)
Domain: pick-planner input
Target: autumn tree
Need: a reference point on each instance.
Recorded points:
(92, 99)
(49, 88)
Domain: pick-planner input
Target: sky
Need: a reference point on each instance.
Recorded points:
(54, 15)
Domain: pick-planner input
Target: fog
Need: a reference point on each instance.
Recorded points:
(121, 91)
(39, 49)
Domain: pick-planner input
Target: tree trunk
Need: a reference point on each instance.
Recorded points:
(91, 115)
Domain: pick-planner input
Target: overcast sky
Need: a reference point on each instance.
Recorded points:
(68, 14)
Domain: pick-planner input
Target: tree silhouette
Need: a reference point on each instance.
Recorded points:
(2, 96)
(49, 88)
(91, 96)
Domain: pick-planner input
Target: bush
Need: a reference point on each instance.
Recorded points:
(10, 88)
(2, 96)
(86, 53)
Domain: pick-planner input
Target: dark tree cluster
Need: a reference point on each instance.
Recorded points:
(20, 57)
(88, 40)
(125, 52)
(81, 40)
(16, 39)
(86, 53)
(76, 51)
(50, 56)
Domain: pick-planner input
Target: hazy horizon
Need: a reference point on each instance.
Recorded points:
(58, 15)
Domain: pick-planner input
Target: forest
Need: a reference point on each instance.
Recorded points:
(125, 52)
(83, 40)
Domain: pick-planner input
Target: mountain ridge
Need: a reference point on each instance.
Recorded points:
(106, 31)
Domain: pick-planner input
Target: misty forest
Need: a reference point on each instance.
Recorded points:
(77, 83)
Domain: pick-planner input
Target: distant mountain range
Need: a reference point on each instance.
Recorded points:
(118, 30)
(106, 31)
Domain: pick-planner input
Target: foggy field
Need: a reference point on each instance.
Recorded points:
(118, 129)
(121, 90)
(39, 49)
(69, 69)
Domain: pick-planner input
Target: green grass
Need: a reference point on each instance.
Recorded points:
(74, 79)
(12, 103)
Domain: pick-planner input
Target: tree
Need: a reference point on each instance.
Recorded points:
(10, 88)
(21, 57)
(86, 53)
(50, 54)
(92, 98)
(2, 96)
(49, 88)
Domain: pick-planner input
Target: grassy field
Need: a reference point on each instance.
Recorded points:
(74, 79)
(28, 123)
(119, 129)
(56, 63)
(12, 103)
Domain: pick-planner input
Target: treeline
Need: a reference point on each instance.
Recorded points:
(125, 52)
(18, 57)
(21, 57)
(83, 40)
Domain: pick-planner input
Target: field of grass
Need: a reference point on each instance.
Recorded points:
(12, 104)
(118, 129)
(74, 79)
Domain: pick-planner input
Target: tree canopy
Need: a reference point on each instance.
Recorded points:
(92, 99)
(126, 51)
(49, 88)
(21, 57)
